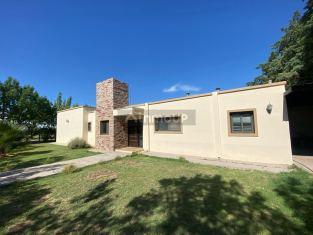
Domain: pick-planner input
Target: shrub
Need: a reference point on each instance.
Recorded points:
(78, 143)
(69, 169)
(11, 137)
(118, 158)
(133, 154)
(182, 159)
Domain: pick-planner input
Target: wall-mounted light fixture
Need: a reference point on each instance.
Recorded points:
(269, 108)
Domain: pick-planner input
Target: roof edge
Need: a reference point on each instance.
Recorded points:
(283, 83)
(78, 107)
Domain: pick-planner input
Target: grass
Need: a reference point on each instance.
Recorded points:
(143, 194)
(39, 154)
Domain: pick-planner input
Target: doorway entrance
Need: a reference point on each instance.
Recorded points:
(135, 128)
(300, 113)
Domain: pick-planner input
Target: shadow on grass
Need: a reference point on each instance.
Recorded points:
(25, 147)
(49, 217)
(13, 163)
(32, 153)
(40, 161)
(202, 205)
(198, 205)
(18, 198)
(298, 195)
(98, 217)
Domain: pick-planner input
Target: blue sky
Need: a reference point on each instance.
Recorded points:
(159, 47)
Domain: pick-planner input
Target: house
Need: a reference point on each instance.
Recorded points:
(247, 124)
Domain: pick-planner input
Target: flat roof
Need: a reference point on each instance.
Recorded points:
(283, 83)
(78, 107)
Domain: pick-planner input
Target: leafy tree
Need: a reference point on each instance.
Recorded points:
(46, 115)
(68, 103)
(10, 137)
(47, 119)
(9, 94)
(28, 109)
(307, 21)
(291, 58)
(61, 104)
(23, 105)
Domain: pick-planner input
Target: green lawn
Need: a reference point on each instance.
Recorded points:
(153, 195)
(38, 154)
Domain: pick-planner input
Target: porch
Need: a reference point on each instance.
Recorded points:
(132, 117)
(304, 162)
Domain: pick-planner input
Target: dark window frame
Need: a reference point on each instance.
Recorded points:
(89, 127)
(253, 133)
(107, 127)
(166, 119)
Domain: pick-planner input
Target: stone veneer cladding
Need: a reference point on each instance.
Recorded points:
(111, 94)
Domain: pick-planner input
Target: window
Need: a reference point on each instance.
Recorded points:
(89, 126)
(242, 123)
(168, 124)
(104, 127)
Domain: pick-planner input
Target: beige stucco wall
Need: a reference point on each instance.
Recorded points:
(197, 138)
(69, 125)
(208, 136)
(272, 145)
(73, 123)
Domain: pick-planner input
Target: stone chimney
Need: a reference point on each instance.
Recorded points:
(111, 94)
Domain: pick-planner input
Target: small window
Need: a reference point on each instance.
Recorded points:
(104, 127)
(168, 124)
(242, 123)
(89, 126)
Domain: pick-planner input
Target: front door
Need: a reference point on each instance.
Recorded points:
(135, 133)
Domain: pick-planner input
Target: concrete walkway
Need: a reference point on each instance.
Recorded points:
(225, 163)
(54, 168)
(304, 162)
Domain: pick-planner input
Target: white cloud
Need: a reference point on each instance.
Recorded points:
(181, 87)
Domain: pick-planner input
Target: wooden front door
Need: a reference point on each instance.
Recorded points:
(135, 133)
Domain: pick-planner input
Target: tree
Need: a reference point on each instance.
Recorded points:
(28, 109)
(10, 137)
(307, 21)
(68, 103)
(61, 104)
(23, 105)
(35, 112)
(9, 94)
(291, 57)
(46, 118)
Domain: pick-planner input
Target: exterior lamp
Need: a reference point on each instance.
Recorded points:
(269, 108)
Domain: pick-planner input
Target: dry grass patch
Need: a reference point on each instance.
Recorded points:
(20, 227)
(129, 162)
(69, 169)
(102, 174)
